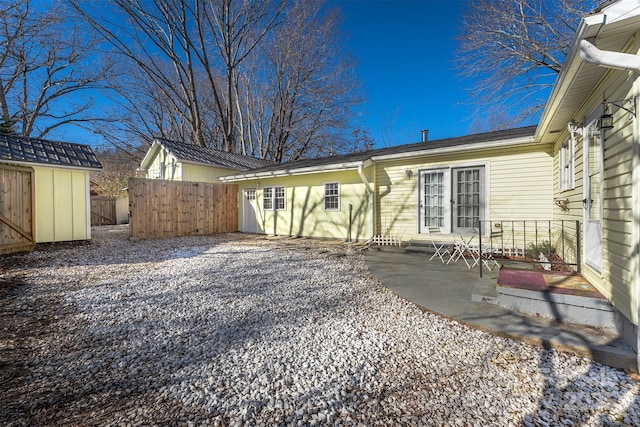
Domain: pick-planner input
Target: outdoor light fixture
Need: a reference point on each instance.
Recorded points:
(408, 173)
(606, 119)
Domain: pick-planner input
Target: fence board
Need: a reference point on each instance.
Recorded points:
(16, 209)
(103, 211)
(162, 209)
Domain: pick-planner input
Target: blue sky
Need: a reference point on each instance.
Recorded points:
(405, 51)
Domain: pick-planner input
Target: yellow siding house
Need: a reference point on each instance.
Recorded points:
(591, 119)
(380, 194)
(59, 177)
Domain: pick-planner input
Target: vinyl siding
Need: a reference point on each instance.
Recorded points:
(166, 166)
(518, 186)
(198, 173)
(304, 215)
(616, 280)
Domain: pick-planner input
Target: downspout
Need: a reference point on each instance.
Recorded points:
(370, 191)
(608, 59)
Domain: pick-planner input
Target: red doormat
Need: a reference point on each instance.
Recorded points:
(554, 282)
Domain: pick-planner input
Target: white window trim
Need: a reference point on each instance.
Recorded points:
(324, 197)
(274, 199)
(567, 165)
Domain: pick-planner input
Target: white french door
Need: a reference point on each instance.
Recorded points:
(451, 199)
(468, 200)
(434, 200)
(592, 203)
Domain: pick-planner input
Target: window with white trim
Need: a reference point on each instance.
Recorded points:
(566, 157)
(274, 198)
(331, 196)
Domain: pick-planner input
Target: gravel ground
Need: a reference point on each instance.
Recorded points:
(237, 330)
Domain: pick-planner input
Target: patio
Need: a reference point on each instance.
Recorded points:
(456, 292)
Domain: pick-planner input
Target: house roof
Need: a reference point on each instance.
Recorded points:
(612, 25)
(494, 139)
(23, 150)
(206, 156)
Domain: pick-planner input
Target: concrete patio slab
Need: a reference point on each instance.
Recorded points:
(456, 292)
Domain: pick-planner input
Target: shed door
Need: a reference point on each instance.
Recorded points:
(16, 209)
(249, 220)
(593, 198)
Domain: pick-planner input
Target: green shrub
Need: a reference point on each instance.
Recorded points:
(544, 247)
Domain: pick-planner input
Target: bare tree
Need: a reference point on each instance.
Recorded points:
(117, 167)
(512, 51)
(309, 90)
(263, 78)
(48, 70)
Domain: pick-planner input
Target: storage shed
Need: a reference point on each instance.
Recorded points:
(177, 161)
(44, 189)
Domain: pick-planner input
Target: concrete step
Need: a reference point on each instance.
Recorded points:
(419, 246)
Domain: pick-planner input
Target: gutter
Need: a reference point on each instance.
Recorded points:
(608, 59)
(336, 167)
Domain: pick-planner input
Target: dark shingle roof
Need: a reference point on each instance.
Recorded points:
(196, 154)
(488, 137)
(21, 149)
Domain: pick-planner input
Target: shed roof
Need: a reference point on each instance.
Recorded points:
(21, 149)
(207, 156)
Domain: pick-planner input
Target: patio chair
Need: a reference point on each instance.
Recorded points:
(441, 248)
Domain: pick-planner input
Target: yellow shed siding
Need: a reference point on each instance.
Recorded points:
(304, 214)
(61, 205)
(199, 173)
(164, 166)
(518, 185)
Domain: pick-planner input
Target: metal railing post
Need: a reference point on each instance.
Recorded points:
(578, 249)
(480, 245)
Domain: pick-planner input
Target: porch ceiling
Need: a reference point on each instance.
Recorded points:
(577, 80)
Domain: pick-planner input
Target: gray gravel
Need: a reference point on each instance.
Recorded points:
(238, 330)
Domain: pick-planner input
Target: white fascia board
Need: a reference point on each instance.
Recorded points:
(335, 167)
(48, 165)
(458, 148)
(155, 146)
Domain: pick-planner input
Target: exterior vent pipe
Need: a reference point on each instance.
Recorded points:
(608, 59)
(425, 135)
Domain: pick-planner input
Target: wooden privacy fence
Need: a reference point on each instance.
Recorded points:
(173, 208)
(103, 210)
(17, 220)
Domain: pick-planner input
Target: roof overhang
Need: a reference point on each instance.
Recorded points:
(512, 142)
(611, 27)
(328, 168)
(148, 158)
(48, 165)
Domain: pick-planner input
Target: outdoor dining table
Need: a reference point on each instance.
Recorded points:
(462, 248)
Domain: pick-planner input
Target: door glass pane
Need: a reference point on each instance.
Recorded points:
(469, 199)
(595, 165)
(433, 202)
